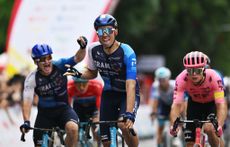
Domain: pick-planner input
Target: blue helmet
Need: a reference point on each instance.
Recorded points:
(40, 50)
(105, 20)
(79, 80)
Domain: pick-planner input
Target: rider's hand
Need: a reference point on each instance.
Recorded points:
(173, 132)
(153, 116)
(71, 71)
(219, 131)
(25, 127)
(82, 41)
(129, 116)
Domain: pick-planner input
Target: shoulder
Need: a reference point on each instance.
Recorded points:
(30, 80)
(96, 84)
(31, 76)
(94, 45)
(126, 48)
(182, 77)
(213, 74)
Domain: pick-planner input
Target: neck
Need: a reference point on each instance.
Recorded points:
(200, 82)
(112, 48)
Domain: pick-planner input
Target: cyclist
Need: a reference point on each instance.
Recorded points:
(85, 96)
(50, 85)
(206, 95)
(116, 63)
(161, 99)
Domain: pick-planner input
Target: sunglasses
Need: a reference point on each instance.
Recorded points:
(197, 71)
(45, 58)
(108, 31)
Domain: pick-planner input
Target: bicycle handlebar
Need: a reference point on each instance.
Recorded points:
(111, 123)
(196, 122)
(56, 129)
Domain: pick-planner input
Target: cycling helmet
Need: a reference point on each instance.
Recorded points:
(40, 50)
(105, 20)
(195, 59)
(162, 73)
(79, 80)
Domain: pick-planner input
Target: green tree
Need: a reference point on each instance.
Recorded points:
(173, 28)
(5, 11)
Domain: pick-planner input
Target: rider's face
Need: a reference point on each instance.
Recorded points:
(195, 74)
(45, 64)
(81, 86)
(106, 35)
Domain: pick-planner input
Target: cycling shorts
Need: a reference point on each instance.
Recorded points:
(85, 112)
(52, 117)
(113, 105)
(198, 111)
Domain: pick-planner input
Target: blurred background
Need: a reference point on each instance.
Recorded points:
(160, 31)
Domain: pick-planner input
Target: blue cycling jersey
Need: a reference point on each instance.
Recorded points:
(51, 90)
(114, 68)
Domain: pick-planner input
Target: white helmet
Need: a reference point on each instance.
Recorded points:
(162, 73)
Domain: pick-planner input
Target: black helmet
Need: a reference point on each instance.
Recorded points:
(105, 20)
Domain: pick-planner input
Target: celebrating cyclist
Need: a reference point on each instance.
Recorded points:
(206, 95)
(116, 63)
(85, 96)
(50, 85)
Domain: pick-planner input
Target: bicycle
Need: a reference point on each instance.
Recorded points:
(167, 139)
(54, 140)
(84, 134)
(200, 136)
(115, 134)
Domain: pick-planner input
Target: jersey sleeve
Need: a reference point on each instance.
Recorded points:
(29, 86)
(179, 89)
(61, 62)
(130, 61)
(90, 62)
(218, 88)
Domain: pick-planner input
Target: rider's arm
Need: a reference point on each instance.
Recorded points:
(154, 96)
(28, 95)
(131, 72)
(175, 112)
(178, 98)
(130, 89)
(221, 111)
(79, 56)
(221, 106)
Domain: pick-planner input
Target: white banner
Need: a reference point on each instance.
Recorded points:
(56, 22)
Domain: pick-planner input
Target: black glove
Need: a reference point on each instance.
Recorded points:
(72, 71)
(130, 116)
(82, 41)
(26, 127)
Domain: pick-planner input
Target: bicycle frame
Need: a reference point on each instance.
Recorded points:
(83, 134)
(45, 136)
(114, 133)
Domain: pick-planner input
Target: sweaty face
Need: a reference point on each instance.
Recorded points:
(106, 35)
(81, 86)
(45, 64)
(195, 74)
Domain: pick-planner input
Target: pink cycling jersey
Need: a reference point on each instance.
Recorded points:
(210, 90)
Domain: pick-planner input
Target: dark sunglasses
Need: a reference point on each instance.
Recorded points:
(108, 31)
(197, 71)
(45, 58)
